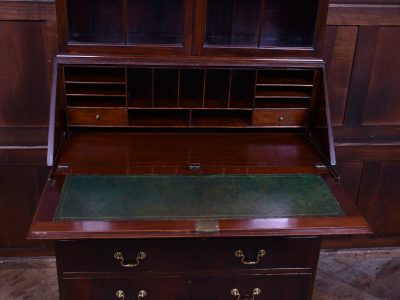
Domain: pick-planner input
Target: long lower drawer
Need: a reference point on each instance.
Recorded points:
(283, 286)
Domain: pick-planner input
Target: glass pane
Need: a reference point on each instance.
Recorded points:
(232, 22)
(95, 21)
(289, 23)
(155, 22)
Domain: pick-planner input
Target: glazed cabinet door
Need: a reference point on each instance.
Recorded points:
(259, 27)
(95, 22)
(131, 26)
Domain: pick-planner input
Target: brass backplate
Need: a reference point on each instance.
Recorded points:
(207, 226)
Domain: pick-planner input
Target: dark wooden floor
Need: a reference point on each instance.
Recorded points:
(346, 274)
(358, 274)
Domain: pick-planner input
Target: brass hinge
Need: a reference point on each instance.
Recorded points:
(63, 168)
(194, 166)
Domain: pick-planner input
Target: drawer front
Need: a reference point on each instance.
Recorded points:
(122, 288)
(282, 287)
(280, 117)
(184, 255)
(97, 116)
(125, 255)
(258, 253)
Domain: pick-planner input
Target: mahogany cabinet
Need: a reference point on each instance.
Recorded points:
(192, 151)
(375, 137)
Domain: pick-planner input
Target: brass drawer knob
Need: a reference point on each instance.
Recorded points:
(255, 293)
(121, 294)
(118, 256)
(260, 254)
(281, 118)
(98, 117)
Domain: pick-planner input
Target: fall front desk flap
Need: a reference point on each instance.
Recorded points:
(166, 197)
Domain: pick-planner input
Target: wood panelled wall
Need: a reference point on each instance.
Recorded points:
(28, 43)
(362, 51)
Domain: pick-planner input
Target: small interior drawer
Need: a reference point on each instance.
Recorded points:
(97, 116)
(185, 255)
(277, 117)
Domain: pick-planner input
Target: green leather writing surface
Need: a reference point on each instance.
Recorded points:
(173, 197)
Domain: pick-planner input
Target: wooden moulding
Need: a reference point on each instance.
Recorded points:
(364, 13)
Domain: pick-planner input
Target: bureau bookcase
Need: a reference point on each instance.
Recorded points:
(191, 150)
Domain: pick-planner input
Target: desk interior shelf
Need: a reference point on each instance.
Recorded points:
(191, 97)
(95, 86)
